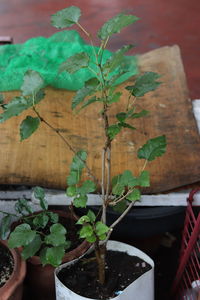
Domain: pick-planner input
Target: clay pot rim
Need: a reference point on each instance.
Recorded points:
(18, 273)
(75, 253)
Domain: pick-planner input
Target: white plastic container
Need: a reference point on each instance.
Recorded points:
(141, 289)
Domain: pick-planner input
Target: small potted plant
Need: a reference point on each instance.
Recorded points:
(46, 238)
(119, 192)
(12, 272)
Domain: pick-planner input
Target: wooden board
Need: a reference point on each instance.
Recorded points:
(44, 159)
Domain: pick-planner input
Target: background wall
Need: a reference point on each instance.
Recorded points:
(162, 23)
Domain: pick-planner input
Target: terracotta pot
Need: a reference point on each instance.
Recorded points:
(40, 279)
(13, 288)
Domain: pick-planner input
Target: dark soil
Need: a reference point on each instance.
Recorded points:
(6, 265)
(121, 270)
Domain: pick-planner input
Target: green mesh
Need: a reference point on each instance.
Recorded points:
(45, 55)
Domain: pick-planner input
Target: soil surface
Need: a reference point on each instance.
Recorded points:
(6, 265)
(121, 270)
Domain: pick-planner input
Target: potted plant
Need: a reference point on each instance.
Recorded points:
(12, 273)
(47, 238)
(119, 192)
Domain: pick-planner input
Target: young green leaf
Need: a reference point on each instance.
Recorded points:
(28, 127)
(41, 220)
(90, 101)
(71, 191)
(80, 201)
(121, 116)
(39, 194)
(57, 235)
(53, 216)
(90, 87)
(91, 239)
(113, 130)
(78, 161)
(74, 177)
(113, 98)
(142, 113)
(5, 227)
(101, 228)
(144, 179)
(32, 83)
(87, 187)
(115, 25)
(82, 220)
(153, 148)
(75, 63)
(120, 206)
(22, 206)
(32, 248)
(91, 216)
(144, 84)
(134, 196)
(116, 59)
(86, 231)
(52, 256)
(21, 236)
(66, 17)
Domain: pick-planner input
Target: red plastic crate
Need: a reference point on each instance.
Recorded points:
(186, 285)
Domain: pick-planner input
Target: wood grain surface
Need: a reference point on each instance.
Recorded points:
(44, 160)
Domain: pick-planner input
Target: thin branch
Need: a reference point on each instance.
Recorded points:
(66, 143)
(87, 33)
(103, 216)
(119, 220)
(8, 214)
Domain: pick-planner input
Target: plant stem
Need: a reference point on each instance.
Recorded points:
(9, 214)
(66, 143)
(119, 219)
(100, 257)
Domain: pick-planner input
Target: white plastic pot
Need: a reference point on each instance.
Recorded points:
(142, 288)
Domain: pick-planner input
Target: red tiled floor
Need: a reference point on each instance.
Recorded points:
(162, 23)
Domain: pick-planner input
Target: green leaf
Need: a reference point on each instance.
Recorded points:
(57, 235)
(102, 237)
(41, 220)
(144, 179)
(91, 216)
(101, 228)
(121, 116)
(116, 59)
(153, 148)
(91, 239)
(113, 98)
(87, 187)
(118, 189)
(90, 87)
(142, 113)
(32, 83)
(75, 63)
(120, 206)
(90, 101)
(78, 161)
(32, 248)
(126, 125)
(28, 127)
(52, 256)
(86, 231)
(80, 201)
(1, 99)
(5, 227)
(73, 177)
(22, 206)
(144, 84)
(53, 216)
(71, 191)
(21, 236)
(113, 130)
(134, 196)
(82, 220)
(18, 104)
(66, 17)
(115, 25)
(39, 194)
